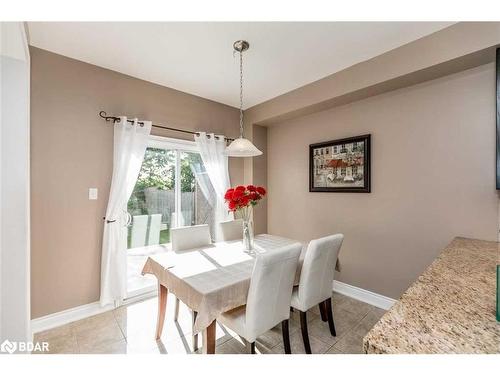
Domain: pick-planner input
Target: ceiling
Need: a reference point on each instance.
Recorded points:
(197, 58)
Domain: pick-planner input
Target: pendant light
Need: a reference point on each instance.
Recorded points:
(241, 147)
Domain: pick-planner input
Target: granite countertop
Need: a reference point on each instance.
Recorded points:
(449, 309)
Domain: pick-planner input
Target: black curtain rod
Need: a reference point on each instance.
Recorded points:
(114, 119)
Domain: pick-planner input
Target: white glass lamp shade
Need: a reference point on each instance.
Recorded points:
(242, 147)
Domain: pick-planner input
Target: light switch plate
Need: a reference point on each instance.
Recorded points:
(92, 194)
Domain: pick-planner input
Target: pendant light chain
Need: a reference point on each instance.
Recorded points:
(241, 94)
(241, 147)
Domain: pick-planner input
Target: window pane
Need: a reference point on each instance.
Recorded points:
(152, 203)
(197, 193)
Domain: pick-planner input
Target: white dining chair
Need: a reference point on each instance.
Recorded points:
(316, 280)
(187, 238)
(139, 231)
(231, 230)
(154, 229)
(268, 300)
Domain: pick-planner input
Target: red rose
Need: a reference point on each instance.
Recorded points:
(237, 194)
(244, 201)
(241, 188)
(255, 196)
(251, 188)
(232, 206)
(229, 194)
(261, 190)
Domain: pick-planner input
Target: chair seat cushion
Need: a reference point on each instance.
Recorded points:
(235, 320)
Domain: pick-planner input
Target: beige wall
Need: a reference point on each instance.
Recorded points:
(259, 176)
(71, 150)
(433, 165)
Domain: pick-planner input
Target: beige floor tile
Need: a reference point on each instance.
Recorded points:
(352, 341)
(106, 347)
(314, 310)
(379, 313)
(275, 336)
(131, 329)
(93, 322)
(344, 320)
(96, 331)
(64, 330)
(350, 344)
(332, 350)
(371, 319)
(156, 347)
(232, 346)
(295, 317)
(141, 317)
(338, 299)
(62, 344)
(355, 307)
(175, 346)
(297, 345)
(320, 330)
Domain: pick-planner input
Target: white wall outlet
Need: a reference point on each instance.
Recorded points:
(92, 194)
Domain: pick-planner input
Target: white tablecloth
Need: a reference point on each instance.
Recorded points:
(212, 279)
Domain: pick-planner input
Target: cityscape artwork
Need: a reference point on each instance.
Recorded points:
(342, 165)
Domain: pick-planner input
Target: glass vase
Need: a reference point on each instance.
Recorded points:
(248, 236)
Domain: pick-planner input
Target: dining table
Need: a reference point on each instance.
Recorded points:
(210, 280)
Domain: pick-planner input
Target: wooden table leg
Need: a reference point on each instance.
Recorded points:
(209, 339)
(162, 306)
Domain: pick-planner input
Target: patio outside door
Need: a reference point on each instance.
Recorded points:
(172, 190)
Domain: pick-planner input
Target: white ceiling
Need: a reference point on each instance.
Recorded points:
(197, 58)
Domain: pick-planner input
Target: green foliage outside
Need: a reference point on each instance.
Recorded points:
(158, 171)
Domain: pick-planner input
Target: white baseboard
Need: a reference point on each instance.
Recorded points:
(67, 316)
(81, 312)
(363, 295)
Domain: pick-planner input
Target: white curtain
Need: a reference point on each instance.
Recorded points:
(203, 181)
(212, 149)
(130, 142)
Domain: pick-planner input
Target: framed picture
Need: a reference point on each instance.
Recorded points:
(342, 165)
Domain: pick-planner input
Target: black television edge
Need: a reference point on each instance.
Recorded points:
(498, 116)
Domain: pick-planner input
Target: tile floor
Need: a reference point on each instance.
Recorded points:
(136, 257)
(130, 329)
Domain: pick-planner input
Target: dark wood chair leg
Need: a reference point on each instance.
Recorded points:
(322, 311)
(195, 335)
(305, 335)
(250, 347)
(329, 311)
(286, 336)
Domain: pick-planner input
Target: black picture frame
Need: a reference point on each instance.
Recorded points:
(366, 176)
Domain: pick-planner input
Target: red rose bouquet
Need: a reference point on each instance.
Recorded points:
(241, 199)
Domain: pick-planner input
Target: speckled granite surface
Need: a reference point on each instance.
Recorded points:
(449, 309)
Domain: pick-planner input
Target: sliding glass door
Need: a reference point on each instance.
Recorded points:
(172, 190)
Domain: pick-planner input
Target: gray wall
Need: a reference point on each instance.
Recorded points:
(433, 166)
